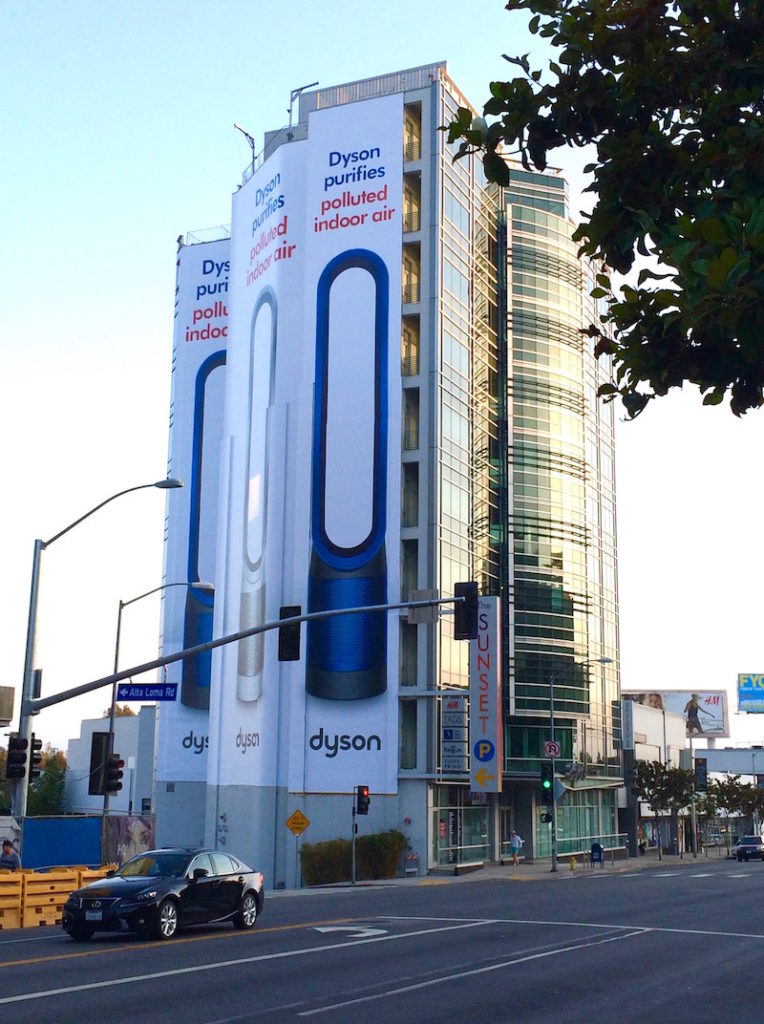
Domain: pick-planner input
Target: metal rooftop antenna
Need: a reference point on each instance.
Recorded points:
(293, 96)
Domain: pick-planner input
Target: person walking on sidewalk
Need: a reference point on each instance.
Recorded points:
(515, 844)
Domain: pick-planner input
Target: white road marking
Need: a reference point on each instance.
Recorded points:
(468, 974)
(358, 931)
(140, 979)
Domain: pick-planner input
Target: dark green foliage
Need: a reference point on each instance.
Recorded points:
(329, 861)
(672, 97)
(377, 856)
(46, 793)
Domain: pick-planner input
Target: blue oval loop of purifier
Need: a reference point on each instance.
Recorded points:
(349, 558)
(348, 643)
(211, 363)
(196, 672)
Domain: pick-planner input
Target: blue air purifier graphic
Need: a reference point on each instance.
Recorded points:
(262, 372)
(347, 654)
(197, 623)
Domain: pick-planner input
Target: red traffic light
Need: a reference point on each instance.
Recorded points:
(362, 800)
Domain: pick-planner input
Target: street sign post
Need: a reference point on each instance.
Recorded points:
(297, 823)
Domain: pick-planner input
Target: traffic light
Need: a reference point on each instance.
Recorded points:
(547, 783)
(701, 774)
(16, 763)
(114, 766)
(289, 636)
(362, 800)
(100, 743)
(466, 611)
(35, 767)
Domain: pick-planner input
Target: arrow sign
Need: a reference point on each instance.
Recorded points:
(482, 777)
(358, 931)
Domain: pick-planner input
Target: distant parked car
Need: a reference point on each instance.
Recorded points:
(160, 891)
(749, 848)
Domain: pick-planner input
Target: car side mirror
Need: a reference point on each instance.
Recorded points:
(199, 873)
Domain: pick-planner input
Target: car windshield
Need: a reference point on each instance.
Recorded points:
(751, 840)
(155, 865)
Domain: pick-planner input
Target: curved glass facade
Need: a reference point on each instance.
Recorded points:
(562, 496)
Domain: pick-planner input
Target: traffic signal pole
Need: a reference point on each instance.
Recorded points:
(32, 706)
(554, 795)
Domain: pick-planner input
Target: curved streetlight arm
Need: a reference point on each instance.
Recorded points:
(161, 484)
(207, 587)
(21, 788)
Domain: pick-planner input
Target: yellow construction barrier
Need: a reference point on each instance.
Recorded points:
(44, 894)
(86, 875)
(10, 899)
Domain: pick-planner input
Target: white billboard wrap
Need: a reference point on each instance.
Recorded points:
(198, 375)
(312, 482)
(352, 357)
(263, 391)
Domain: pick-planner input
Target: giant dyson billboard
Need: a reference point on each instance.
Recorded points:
(310, 467)
(196, 420)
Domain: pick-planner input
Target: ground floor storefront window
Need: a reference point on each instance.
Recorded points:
(584, 817)
(459, 831)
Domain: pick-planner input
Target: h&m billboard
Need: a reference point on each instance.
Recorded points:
(705, 712)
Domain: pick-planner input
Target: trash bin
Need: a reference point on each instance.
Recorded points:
(597, 854)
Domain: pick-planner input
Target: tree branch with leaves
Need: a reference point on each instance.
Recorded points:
(671, 97)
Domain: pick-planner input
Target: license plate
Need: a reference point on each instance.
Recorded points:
(93, 915)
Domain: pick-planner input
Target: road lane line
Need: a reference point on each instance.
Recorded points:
(141, 979)
(471, 973)
(140, 946)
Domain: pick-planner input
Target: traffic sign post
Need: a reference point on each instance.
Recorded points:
(297, 823)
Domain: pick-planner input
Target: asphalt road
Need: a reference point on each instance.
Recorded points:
(671, 944)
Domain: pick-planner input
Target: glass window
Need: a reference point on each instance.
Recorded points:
(201, 861)
(222, 864)
(408, 738)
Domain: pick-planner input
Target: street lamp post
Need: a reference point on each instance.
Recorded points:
(596, 661)
(206, 587)
(28, 682)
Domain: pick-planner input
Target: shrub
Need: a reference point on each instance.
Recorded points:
(329, 861)
(377, 856)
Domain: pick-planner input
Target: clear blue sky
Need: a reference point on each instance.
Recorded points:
(117, 136)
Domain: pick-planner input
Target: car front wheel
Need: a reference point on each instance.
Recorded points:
(247, 916)
(168, 919)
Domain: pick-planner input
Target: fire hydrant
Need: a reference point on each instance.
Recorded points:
(572, 863)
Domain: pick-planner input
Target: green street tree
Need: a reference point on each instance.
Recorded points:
(46, 793)
(738, 798)
(665, 789)
(670, 96)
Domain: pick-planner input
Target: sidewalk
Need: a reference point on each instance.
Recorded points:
(529, 871)
(542, 868)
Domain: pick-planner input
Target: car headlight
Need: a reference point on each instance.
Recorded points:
(149, 894)
(75, 900)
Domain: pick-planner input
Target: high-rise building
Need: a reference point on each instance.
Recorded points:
(410, 402)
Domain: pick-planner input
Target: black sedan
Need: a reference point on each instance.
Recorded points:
(158, 892)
